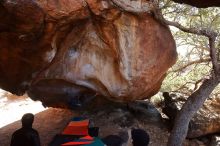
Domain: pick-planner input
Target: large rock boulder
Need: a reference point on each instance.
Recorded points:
(61, 50)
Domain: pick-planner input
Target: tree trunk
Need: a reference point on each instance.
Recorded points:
(190, 107)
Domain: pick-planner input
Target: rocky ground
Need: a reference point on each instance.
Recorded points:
(51, 121)
(110, 118)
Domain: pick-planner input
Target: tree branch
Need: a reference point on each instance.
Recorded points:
(203, 32)
(213, 54)
(191, 63)
(211, 35)
(197, 83)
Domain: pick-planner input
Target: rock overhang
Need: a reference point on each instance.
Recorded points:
(71, 48)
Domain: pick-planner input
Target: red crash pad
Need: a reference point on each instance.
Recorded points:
(77, 128)
(77, 143)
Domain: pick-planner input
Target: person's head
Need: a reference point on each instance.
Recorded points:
(139, 137)
(27, 120)
(113, 140)
(166, 94)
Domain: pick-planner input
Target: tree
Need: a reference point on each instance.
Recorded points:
(194, 62)
(198, 97)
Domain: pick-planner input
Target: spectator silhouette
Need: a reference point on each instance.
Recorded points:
(113, 140)
(117, 140)
(137, 137)
(26, 136)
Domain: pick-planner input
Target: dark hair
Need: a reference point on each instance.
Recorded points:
(27, 120)
(113, 140)
(166, 94)
(140, 137)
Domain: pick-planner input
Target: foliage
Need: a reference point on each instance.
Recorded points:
(194, 63)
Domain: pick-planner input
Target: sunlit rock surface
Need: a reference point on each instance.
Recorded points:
(61, 50)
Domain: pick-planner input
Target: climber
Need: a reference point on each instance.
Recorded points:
(170, 109)
(26, 136)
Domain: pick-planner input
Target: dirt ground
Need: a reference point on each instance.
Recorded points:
(48, 123)
(51, 121)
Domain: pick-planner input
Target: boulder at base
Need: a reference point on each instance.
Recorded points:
(205, 121)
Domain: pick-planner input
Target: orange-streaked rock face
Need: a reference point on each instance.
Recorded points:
(63, 49)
